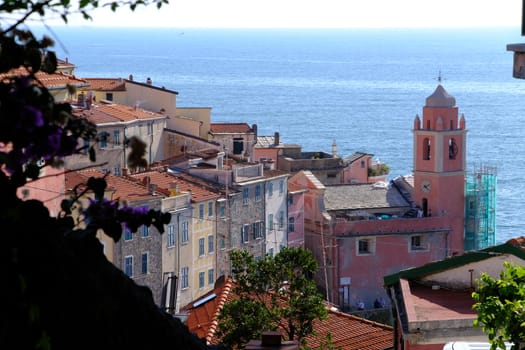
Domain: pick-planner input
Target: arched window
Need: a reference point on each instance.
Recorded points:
(426, 211)
(426, 149)
(452, 149)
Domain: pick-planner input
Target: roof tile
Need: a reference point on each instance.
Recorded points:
(348, 332)
(230, 128)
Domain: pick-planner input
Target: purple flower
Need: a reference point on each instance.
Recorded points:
(31, 118)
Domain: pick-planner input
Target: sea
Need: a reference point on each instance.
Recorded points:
(361, 88)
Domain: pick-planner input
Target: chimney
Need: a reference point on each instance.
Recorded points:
(334, 149)
(148, 81)
(277, 139)
(130, 77)
(174, 189)
(272, 340)
(124, 171)
(152, 188)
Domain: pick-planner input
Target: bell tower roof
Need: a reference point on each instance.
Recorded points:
(440, 98)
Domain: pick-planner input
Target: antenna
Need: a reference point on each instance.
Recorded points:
(439, 77)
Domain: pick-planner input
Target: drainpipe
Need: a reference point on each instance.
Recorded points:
(124, 145)
(151, 142)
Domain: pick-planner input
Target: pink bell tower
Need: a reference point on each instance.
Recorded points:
(440, 165)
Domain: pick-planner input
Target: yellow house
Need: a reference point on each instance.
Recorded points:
(132, 93)
(190, 244)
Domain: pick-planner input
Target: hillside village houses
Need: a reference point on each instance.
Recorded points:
(229, 188)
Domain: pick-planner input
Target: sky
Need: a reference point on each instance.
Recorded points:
(314, 14)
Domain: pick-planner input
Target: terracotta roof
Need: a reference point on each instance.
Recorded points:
(113, 113)
(440, 304)
(230, 128)
(518, 242)
(165, 180)
(64, 63)
(348, 331)
(106, 84)
(125, 189)
(351, 332)
(50, 81)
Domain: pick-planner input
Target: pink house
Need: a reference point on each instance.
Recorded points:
(432, 304)
(295, 215)
(362, 168)
(267, 150)
(362, 232)
(49, 189)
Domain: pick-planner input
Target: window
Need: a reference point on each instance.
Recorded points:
(366, 246)
(238, 145)
(258, 229)
(245, 195)
(417, 243)
(222, 210)
(210, 208)
(452, 149)
(201, 279)
(184, 238)
(281, 187)
(270, 251)
(86, 147)
(201, 211)
(270, 222)
(103, 139)
(116, 171)
(363, 164)
(144, 263)
(109, 96)
(211, 276)
(201, 246)
(184, 277)
(116, 138)
(291, 224)
(270, 189)
(281, 219)
(258, 192)
(145, 231)
(426, 149)
(171, 236)
(171, 139)
(128, 235)
(222, 243)
(290, 199)
(128, 265)
(211, 244)
(244, 233)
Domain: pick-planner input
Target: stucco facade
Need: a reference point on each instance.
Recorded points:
(295, 214)
(116, 124)
(359, 233)
(432, 304)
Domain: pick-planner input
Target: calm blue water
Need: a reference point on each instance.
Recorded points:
(359, 87)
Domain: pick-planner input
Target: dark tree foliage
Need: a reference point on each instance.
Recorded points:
(58, 289)
(274, 293)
